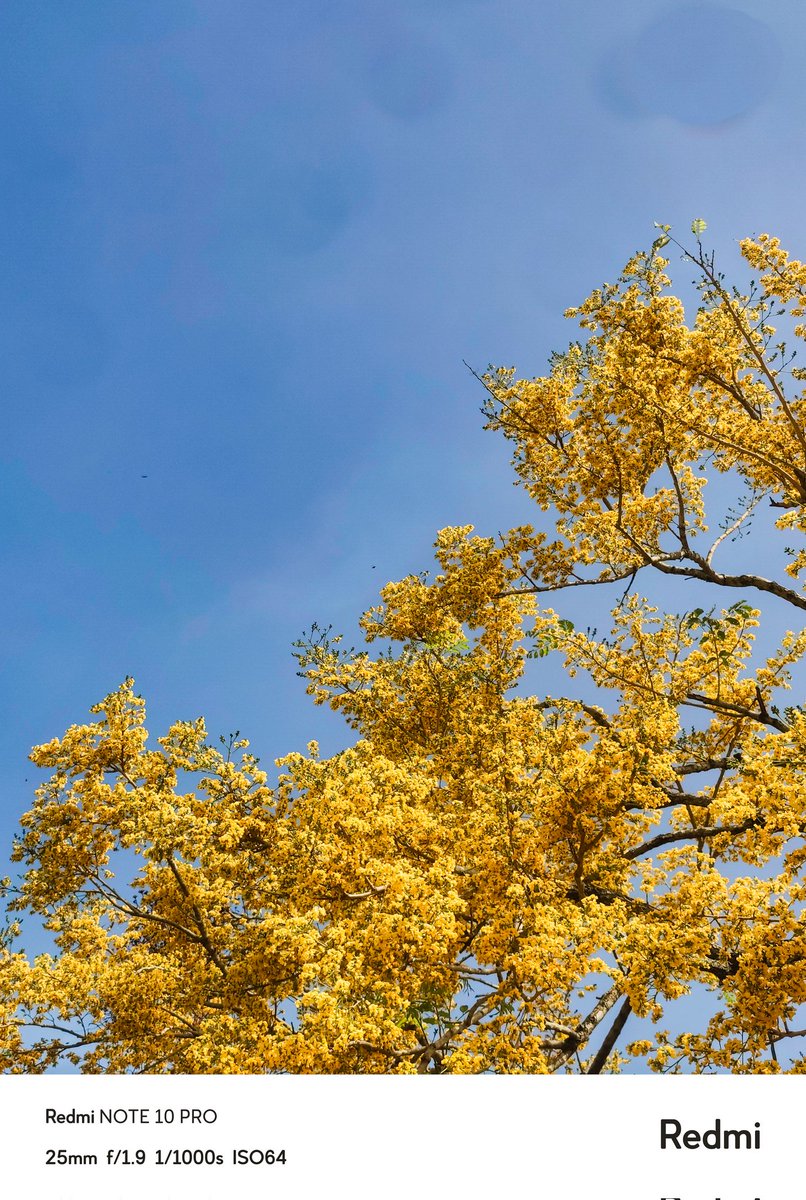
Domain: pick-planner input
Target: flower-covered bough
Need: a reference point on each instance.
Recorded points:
(488, 880)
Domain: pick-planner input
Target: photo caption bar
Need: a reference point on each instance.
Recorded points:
(613, 1138)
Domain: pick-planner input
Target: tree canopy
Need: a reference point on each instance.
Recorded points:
(487, 880)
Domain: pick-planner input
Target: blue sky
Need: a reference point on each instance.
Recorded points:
(246, 246)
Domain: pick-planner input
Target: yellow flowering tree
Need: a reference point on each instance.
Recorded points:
(487, 880)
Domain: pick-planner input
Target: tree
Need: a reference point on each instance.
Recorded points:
(487, 880)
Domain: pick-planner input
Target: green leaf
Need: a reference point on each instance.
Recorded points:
(698, 227)
(544, 644)
(442, 643)
(458, 647)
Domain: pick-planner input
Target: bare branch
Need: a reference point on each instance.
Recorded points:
(697, 834)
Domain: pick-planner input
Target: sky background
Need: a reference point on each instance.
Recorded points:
(246, 246)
